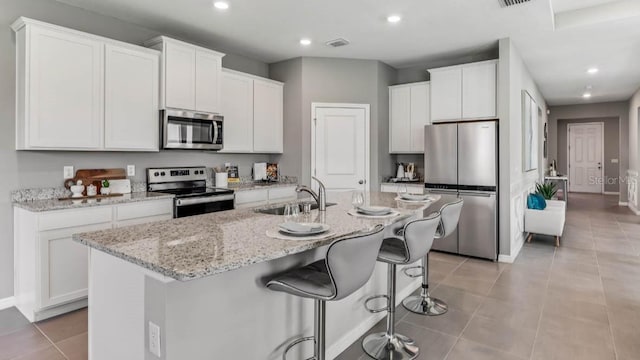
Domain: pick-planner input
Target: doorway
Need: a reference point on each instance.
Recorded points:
(585, 157)
(340, 146)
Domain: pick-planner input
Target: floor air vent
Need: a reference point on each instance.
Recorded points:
(507, 3)
(337, 42)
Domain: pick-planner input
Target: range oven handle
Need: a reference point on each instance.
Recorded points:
(204, 200)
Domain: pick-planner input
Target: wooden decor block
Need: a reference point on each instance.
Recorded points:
(95, 177)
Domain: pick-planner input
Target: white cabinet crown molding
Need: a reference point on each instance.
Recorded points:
(460, 66)
(154, 42)
(252, 76)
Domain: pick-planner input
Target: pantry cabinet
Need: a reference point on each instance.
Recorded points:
(464, 92)
(253, 113)
(408, 114)
(191, 75)
(78, 91)
(51, 269)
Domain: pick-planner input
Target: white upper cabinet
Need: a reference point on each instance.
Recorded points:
(77, 91)
(252, 107)
(464, 92)
(191, 75)
(131, 98)
(408, 114)
(237, 108)
(446, 94)
(59, 89)
(420, 107)
(179, 70)
(208, 78)
(268, 116)
(399, 119)
(479, 90)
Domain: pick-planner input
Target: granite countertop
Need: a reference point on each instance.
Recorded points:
(408, 183)
(259, 185)
(198, 246)
(55, 204)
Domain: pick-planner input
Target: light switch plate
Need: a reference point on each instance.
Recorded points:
(67, 172)
(131, 170)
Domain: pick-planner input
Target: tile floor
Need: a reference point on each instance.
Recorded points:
(580, 301)
(59, 338)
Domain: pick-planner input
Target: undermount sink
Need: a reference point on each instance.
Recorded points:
(280, 209)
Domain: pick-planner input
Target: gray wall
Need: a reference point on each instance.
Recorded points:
(332, 80)
(43, 169)
(611, 148)
(619, 110)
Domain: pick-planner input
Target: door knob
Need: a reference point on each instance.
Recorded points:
(361, 182)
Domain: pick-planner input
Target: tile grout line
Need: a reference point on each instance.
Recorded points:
(606, 305)
(486, 297)
(544, 300)
(51, 341)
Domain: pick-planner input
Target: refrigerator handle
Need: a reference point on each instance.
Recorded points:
(443, 192)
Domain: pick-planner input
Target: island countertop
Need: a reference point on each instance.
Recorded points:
(198, 246)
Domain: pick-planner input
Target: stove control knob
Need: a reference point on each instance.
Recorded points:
(156, 174)
(162, 173)
(201, 172)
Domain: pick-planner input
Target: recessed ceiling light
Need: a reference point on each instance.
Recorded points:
(305, 42)
(222, 5)
(593, 70)
(394, 18)
(586, 95)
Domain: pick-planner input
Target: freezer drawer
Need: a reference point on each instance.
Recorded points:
(450, 243)
(477, 227)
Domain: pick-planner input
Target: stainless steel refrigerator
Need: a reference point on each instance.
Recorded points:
(461, 160)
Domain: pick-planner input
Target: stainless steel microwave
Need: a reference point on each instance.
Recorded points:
(182, 129)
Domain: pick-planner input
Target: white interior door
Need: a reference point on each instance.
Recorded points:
(585, 157)
(341, 147)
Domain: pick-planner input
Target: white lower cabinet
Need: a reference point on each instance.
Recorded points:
(259, 197)
(51, 270)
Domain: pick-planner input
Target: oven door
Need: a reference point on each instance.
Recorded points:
(191, 130)
(202, 205)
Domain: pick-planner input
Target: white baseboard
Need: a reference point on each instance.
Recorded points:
(632, 208)
(611, 193)
(352, 336)
(7, 302)
(509, 259)
(623, 203)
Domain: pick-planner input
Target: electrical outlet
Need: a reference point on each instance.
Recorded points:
(67, 172)
(154, 339)
(131, 170)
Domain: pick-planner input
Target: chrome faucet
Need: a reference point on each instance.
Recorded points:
(320, 197)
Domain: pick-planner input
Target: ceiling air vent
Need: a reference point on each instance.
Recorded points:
(337, 42)
(507, 3)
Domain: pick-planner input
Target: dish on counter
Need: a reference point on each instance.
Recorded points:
(303, 229)
(374, 210)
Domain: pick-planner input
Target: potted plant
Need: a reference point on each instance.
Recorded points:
(547, 190)
(105, 190)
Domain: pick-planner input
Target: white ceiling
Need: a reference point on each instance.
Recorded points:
(607, 35)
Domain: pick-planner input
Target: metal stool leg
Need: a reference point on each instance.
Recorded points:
(319, 332)
(424, 304)
(389, 345)
(318, 337)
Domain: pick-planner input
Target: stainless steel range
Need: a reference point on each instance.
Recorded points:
(189, 185)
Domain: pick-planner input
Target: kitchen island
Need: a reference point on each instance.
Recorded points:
(201, 279)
